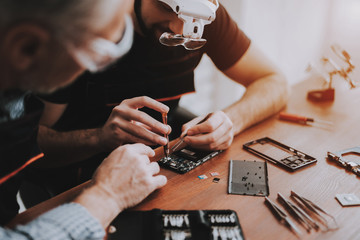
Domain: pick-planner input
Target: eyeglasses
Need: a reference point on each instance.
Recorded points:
(171, 39)
(102, 52)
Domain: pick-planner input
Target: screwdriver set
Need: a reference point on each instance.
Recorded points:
(177, 225)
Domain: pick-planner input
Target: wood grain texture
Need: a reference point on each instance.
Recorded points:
(319, 183)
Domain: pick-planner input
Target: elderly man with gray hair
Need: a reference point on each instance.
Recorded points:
(44, 45)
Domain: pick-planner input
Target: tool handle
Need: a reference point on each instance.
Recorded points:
(294, 117)
(181, 140)
(166, 146)
(203, 120)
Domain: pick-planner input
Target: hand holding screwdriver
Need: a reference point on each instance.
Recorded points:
(127, 124)
(214, 132)
(179, 142)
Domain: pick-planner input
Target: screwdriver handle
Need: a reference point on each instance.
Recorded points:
(203, 120)
(166, 146)
(294, 118)
(181, 140)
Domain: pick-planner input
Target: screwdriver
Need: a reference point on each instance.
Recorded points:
(302, 119)
(178, 143)
(166, 146)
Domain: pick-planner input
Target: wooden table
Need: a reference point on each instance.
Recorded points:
(319, 182)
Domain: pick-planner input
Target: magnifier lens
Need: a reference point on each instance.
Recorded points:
(170, 39)
(194, 44)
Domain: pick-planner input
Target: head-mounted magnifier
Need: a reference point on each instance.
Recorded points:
(195, 14)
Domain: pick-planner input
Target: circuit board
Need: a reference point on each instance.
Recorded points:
(186, 159)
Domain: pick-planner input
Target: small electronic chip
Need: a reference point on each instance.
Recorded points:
(216, 180)
(348, 200)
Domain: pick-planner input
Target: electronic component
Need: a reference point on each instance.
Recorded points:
(186, 159)
(248, 178)
(278, 153)
(342, 161)
(216, 180)
(348, 200)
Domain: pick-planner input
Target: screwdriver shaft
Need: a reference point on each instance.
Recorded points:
(166, 146)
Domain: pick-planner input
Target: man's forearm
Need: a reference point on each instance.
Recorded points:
(262, 99)
(62, 148)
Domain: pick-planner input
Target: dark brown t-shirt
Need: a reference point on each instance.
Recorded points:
(150, 69)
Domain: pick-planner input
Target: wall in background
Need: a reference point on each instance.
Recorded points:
(344, 29)
(292, 33)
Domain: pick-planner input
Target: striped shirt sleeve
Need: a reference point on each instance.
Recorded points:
(68, 221)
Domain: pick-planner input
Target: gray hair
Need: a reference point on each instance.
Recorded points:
(69, 19)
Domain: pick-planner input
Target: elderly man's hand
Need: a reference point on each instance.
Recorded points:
(123, 180)
(216, 133)
(126, 124)
(128, 176)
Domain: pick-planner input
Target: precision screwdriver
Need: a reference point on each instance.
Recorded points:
(166, 146)
(302, 119)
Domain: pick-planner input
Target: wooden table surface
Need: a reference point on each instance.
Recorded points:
(319, 182)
